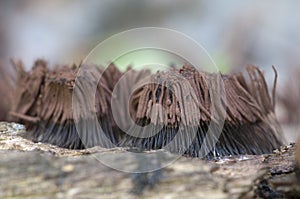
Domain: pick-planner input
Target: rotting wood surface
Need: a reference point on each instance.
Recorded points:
(38, 170)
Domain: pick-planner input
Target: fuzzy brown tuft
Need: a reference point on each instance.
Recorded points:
(185, 98)
(44, 104)
(184, 107)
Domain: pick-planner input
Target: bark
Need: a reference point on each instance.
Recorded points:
(38, 170)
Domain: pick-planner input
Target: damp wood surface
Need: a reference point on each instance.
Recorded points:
(38, 170)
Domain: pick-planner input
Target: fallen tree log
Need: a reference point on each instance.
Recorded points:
(39, 170)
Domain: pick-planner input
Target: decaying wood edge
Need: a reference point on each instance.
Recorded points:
(36, 170)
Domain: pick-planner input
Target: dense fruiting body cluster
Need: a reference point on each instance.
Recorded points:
(220, 114)
(183, 110)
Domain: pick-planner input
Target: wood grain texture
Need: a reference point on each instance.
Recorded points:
(38, 170)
